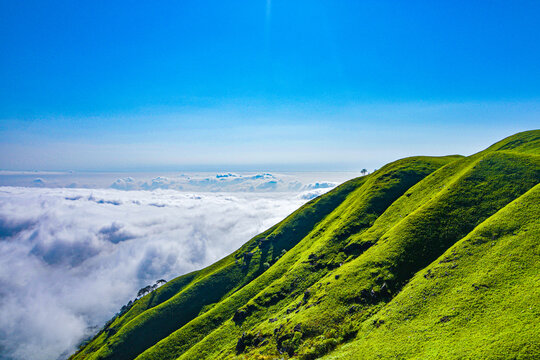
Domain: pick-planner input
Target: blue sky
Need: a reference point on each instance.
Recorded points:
(277, 85)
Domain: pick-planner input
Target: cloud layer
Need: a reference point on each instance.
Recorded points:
(263, 182)
(192, 182)
(75, 256)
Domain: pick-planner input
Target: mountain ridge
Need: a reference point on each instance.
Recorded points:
(330, 278)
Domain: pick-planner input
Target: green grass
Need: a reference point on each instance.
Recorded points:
(479, 300)
(428, 257)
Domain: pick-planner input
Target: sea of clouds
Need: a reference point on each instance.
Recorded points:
(71, 257)
(194, 182)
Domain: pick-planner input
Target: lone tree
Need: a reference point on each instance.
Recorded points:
(363, 171)
(149, 288)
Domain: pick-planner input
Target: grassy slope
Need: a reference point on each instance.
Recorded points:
(291, 275)
(446, 209)
(182, 299)
(480, 299)
(349, 272)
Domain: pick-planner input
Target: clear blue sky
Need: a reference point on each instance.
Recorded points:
(261, 84)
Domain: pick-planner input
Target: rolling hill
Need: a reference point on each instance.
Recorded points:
(426, 258)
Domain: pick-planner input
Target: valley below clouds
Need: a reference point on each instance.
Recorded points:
(74, 256)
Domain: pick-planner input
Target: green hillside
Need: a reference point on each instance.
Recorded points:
(426, 258)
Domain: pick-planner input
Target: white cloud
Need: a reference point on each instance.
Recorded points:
(320, 185)
(312, 194)
(192, 182)
(260, 182)
(70, 258)
(214, 183)
(126, 183)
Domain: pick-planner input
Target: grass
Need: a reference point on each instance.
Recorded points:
(479, 300)
(428, 257)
